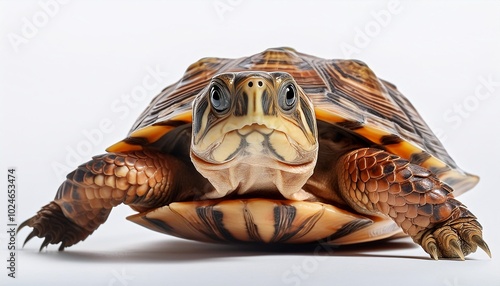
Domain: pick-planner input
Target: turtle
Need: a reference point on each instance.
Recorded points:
(278, 147)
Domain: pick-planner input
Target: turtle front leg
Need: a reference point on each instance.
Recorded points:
(373, 181)
(141, 179)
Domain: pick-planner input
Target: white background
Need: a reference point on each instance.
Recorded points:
(77, 66)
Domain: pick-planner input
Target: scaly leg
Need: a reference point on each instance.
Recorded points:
(141, 179)
(373, 181)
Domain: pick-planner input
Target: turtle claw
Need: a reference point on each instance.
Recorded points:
(30, 236)
(61, 247)
(51, 224)
(454, 240)
(479, 241)
(22, 225)
(455, 247)
(46, 242)
(430, 246)
(433, 250)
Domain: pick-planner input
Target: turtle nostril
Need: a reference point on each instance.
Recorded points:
(260, 83)
(250, 84)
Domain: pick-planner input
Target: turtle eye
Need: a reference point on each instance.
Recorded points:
(288, 97)
(218, 99)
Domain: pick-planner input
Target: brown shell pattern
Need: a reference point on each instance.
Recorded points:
(345, 92)
(265, 221)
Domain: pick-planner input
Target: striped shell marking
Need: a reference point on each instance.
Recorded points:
(264, 221)
(344, 92)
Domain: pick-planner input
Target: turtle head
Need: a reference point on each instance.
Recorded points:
(254, 131)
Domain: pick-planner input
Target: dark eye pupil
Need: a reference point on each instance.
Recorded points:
(290, 96)
(218, 99)
(215, 93)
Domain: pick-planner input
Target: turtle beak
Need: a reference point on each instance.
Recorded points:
(255, 105)
(261, 101)
(254, 100)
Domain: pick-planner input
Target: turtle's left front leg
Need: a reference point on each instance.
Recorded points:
(373, 181)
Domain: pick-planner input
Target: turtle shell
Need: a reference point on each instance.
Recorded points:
(345, 93)
(265, 221)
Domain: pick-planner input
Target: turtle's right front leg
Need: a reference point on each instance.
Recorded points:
(141, 179)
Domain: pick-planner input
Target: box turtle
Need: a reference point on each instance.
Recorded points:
(278, 147)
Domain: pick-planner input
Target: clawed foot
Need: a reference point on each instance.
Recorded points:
(51, 224)
(454, 240)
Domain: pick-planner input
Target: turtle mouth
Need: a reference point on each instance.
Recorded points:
(255, 127)
(256, 141)
(255, 160)
(261, 135)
